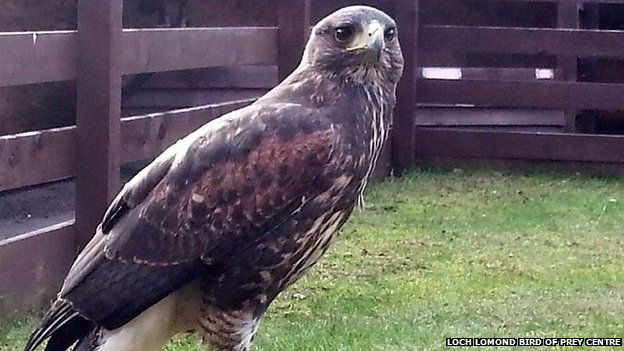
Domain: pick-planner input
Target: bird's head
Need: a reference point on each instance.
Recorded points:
(356, 43)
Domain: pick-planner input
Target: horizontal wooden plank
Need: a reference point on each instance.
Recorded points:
(515, 165)
(508, 74)
(539, 94)
(217, 77)
(139, 111)
(34, 266)
(182, 98)
(530, 146)
(146, 136)
(32, 57)
(44, 156)
(156, 50)
(36, 157)
(554, 41)
(581, 1)
(37, 57)
(445, 116)
(491, 73)
(512, 128)
(445, 58)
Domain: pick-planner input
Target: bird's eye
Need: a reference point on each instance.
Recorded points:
(390, 34)
(344, 33)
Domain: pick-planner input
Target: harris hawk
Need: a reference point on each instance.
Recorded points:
(205, 237)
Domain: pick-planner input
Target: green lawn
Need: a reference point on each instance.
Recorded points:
(437, 255)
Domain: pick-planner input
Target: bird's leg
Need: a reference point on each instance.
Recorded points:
(228, 330)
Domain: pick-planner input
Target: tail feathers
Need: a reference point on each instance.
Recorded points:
(76, 329)
(63, 325)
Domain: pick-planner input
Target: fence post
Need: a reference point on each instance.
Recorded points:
(568, 17)
(590, 19)
(404, 128)
(293, 31)
(98, 111)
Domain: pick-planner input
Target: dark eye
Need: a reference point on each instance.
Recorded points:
(344, 33)
(390, 34)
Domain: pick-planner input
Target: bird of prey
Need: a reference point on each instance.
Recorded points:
(205, 237)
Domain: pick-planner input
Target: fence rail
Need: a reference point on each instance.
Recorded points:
(39, 157)
(547, 41)
(33, 265)
(38, 57)
(542, 94)
(524, 146)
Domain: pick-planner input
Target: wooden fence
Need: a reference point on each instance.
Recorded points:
(100, 52)
(566, 42)
(96, 56)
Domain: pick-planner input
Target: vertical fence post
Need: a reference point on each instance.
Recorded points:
(293, 31)
(590, 19)
(98, 111)
(568, 17)
(404, 128)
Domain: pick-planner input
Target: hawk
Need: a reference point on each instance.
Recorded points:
(205, 237)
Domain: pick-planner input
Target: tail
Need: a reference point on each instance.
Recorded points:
(62, 325)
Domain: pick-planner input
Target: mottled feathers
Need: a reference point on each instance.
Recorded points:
(221, 222)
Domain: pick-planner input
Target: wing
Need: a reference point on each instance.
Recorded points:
(212, 194)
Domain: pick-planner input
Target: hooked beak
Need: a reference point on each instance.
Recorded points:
(371, 42)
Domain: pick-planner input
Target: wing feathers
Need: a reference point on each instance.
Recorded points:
(220, 189)
(138, 188)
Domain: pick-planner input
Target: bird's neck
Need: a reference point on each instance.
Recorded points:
(362, 112)
(319, 88)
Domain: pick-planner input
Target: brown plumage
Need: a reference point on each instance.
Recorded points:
(205, 237)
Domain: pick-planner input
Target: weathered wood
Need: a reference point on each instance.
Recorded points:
(33, 57)
(98, 117)
(515, 165)
(542, 94)
(36, 157)
(508, 128)
(325, 7)
(406, 16)
(44, 156)
(568, 17)
(528, 146)
(451, 58)
(585, 121)
(34, 266)
(495, 73)
(445, 116)
(554, 41)
(293, 31)
(257, 77)
(585, 1)
(146, 136)
(156, 50)
(182, 98)
(37, 57)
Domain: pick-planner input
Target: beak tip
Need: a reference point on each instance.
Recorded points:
(376, 42)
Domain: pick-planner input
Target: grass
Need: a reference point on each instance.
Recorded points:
(470, 253)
